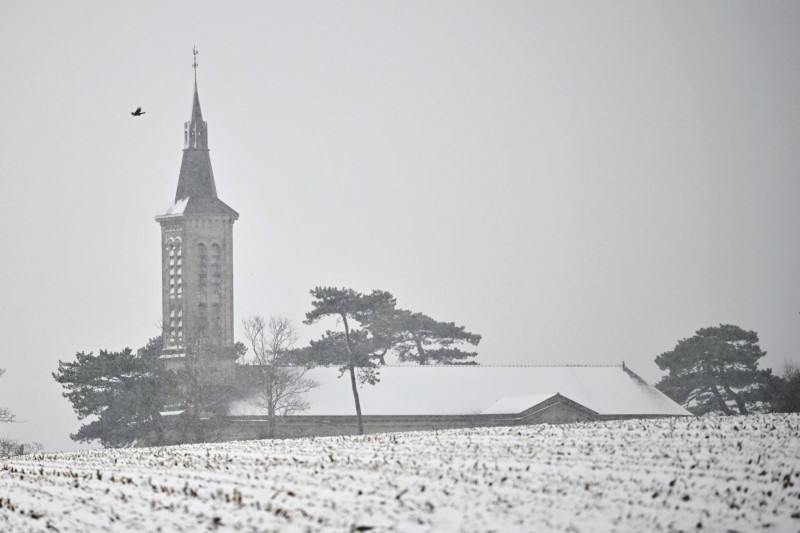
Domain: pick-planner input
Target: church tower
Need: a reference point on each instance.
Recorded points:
(197, 256)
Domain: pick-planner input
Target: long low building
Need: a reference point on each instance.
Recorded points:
(409, 398)
(474, 390)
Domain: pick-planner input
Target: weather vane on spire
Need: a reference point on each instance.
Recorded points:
(194, 63)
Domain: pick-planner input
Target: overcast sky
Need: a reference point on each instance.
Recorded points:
(580, 183)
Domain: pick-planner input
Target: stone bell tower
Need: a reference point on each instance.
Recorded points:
(197, 256)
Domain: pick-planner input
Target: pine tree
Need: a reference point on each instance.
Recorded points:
(372, 328)
(427, 341)
(716, 371)
(124, 392)
(356, 349)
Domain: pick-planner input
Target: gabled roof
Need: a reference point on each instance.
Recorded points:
(511, 405)
(463, 390)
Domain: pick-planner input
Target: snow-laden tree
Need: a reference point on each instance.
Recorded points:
(356, 349)
(716, 371)
(121, 392)
(372, 328)
(279, 381)
(427, 341)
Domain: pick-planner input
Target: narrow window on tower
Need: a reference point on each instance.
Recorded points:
(176, 272)
(217, 318)
(170, 267)
(202, 271)
(202, 319)
(216, 268)
(173, 325)
(179, 317)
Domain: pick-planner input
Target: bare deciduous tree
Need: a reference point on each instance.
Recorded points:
(5, 414)
(11, 447)
(280, 382)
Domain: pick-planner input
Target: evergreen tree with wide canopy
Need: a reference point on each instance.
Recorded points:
(356, 349)
(123, 391)
(372, 328)
(426, 341)
(716, 371)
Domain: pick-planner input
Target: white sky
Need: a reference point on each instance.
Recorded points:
(577, 182)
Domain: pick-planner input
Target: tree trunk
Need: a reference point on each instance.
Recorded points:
(739, 402)
(271, 417)
(355, 397)
(423, 358)
(720, 399)
(352, 369)
(268, 395)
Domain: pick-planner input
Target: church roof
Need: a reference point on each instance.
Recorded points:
(197, 191)
(464, 390)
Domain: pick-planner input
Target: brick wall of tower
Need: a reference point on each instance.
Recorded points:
(197, 282)
(208, 280)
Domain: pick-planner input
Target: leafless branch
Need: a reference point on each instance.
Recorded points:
(5, 414)
(281, 385)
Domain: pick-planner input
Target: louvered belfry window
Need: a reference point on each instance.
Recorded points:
(175, 284)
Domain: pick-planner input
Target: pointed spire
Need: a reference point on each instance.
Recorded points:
(195, 131)
(197, 114)
(197, 191)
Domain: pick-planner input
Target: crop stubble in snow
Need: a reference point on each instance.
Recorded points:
(734, 473)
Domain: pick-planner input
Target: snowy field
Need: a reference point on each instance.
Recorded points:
(718, 474)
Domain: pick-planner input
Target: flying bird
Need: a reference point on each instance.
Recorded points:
(138, 112)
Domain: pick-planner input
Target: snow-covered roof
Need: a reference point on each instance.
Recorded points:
(174, 209)
(462, 390)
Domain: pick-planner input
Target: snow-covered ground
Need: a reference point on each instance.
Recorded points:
(718, 474)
